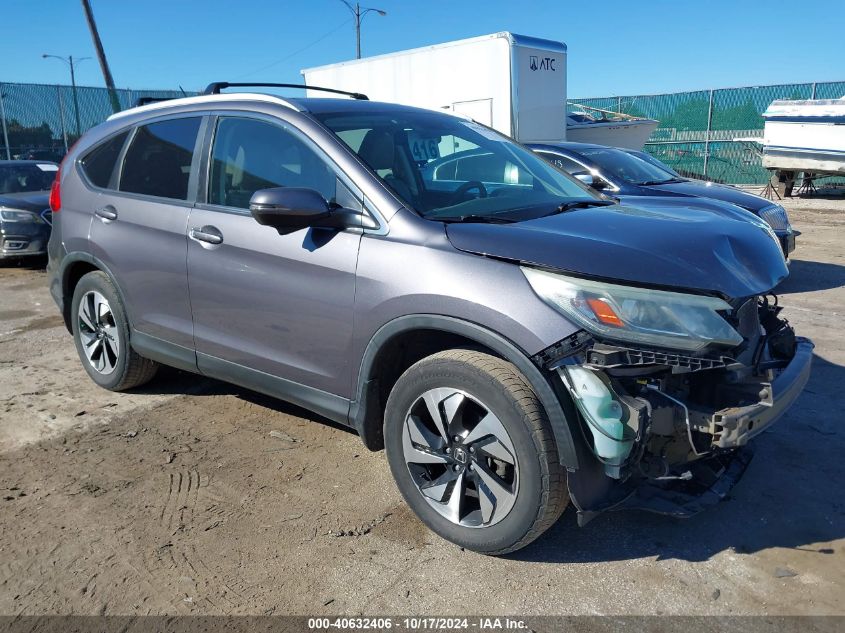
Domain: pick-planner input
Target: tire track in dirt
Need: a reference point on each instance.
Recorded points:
(190, 507)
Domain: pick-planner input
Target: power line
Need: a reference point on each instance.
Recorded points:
(296, 52)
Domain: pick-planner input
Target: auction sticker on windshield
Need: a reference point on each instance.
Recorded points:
(47, 167)
(423, 149)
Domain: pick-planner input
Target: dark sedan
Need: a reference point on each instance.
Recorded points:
(24, 207)
(628, 175)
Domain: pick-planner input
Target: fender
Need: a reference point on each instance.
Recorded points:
(62, 277)
(358, 410)
(146, 345)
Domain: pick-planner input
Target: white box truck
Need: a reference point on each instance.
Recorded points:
(513, 83)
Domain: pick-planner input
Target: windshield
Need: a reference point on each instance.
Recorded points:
(26, 177)
(449, 168)
(654, 161)
(621, 165)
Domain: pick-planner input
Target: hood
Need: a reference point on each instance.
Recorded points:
(681, 248)
(29, 201)
(719, 207)
(703, 189)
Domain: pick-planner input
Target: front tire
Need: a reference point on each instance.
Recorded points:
(101, 333)
(472, 451)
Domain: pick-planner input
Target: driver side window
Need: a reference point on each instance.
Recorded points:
(248, 155)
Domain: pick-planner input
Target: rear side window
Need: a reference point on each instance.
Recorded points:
(98, 164)
(158, 161)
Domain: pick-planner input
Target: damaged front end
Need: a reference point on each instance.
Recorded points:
(666, 429)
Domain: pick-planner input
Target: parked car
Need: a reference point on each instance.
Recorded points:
(629, 175)
(512, 338)
(24, 209)
(653, 160)
(42, 154)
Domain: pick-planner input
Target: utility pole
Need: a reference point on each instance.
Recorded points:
(70, 62)
(359, 14)
(101, 55)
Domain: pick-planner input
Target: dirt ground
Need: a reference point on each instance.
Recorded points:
(191, 496)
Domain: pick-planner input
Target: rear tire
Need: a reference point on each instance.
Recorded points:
(465, 423)
(101, 333)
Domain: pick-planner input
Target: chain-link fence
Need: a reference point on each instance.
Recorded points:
(705, 133)
(709, 133)
(42, 121)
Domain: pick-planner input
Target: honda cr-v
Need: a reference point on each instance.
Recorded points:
(513, 339)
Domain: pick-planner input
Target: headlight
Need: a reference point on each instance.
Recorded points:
(637, 315)
(13, 215)
(776, 217)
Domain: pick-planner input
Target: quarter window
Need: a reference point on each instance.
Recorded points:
(158, 161)
(249, 155)
(98, 164)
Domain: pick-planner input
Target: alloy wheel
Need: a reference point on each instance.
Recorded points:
(460, 457)
(98, 332)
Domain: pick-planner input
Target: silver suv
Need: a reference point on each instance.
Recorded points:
(513, 339)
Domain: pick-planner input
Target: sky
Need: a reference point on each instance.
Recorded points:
(615, 47)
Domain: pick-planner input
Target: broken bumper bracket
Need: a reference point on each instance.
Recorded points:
(734, 427)
(712, 480)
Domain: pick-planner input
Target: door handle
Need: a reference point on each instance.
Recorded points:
(207, 234)
(107, 213)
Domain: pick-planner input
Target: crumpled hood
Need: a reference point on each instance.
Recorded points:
(29, 201)
(704, 189)
(683, 247)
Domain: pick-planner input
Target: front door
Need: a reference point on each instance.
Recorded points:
(273, 305)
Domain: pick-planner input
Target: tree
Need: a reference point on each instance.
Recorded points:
(22, 136)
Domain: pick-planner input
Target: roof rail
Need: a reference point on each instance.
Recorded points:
(215, 88)
(142, 101)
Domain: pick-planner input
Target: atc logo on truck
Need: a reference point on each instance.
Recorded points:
(542, 63)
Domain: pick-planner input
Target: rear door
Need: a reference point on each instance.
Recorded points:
(140, 224)
(266, 304)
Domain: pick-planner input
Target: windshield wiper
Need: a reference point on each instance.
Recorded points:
(477, 219)
(563, 207)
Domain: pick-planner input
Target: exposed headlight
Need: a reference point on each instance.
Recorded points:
(624, 313)
(14, 215)
(776, 217)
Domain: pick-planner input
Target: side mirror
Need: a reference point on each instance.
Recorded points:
(586, 178)
(289, 209)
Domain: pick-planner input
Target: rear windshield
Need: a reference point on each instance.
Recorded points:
(443, 166)
(27, 177)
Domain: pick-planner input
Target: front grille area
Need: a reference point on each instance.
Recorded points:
(776, 217)
(607, 357)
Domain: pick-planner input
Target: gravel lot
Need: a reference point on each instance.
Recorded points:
(191, 496)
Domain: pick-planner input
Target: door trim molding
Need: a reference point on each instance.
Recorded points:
(328, 405)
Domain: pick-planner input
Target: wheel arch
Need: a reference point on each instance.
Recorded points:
(73, 268)
(380, 367)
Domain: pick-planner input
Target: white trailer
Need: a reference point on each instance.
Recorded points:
(513, 83)
(806, 136)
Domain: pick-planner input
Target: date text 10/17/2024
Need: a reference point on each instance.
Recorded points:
(417, 624)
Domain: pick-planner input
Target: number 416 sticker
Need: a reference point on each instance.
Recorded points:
(423, 149)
